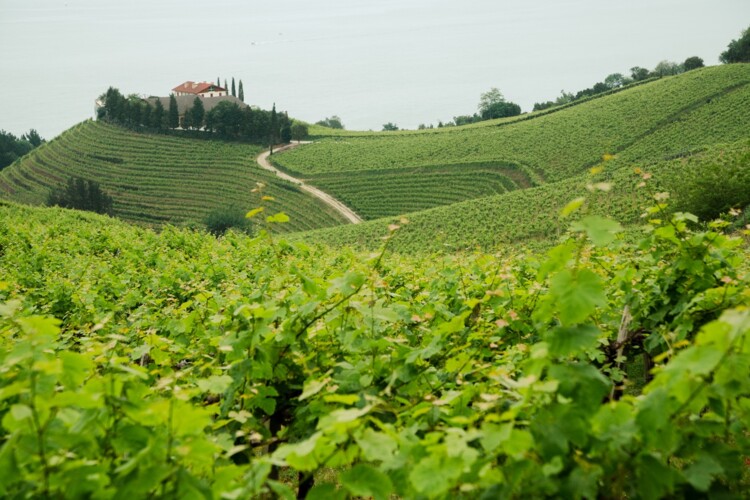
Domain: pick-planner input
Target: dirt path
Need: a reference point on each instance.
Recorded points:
(326, 198)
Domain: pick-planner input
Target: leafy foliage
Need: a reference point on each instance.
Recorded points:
(12, 148)
(81, 194)
(174, 364)
(692, 63)
(333, 122)
(738, 50)
(219, 221)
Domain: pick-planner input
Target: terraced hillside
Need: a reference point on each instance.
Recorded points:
(384, 193)
(650, 122)
(157, 179)
(704, 183)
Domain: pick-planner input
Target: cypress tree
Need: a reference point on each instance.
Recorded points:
(234, 91)
(157, 117)
(173, 118)
(146, 115)
(241, 92)
(226, 87)
(218, 81)
(273, 127)
(198, 112)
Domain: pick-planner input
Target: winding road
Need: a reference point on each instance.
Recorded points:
(326, 198)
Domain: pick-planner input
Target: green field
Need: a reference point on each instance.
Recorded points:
(158, 179)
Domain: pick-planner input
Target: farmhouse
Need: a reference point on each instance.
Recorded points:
(203, 89)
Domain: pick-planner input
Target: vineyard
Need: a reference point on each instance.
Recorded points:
(176, 365)
(562, 144)
(400, 191)
(158, 179)
(707, 182)
(646, 123)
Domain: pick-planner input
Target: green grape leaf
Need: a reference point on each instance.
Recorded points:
(600, 230)
(565, 341)
(577, 294)
(366, 481)
(215, 384)
(376, 446)
(280, 217)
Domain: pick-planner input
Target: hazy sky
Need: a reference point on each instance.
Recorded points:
(369, 62)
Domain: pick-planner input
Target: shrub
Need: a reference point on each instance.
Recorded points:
(222, 220)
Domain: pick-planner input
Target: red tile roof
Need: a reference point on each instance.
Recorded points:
(198, 88)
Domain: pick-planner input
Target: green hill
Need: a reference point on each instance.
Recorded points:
(657, 120)
(157, 179)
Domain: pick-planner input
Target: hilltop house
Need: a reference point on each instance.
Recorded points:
(203, 89)
(210, 95)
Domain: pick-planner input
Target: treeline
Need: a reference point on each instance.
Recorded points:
(492, 105)
(12, 147)
(738, 51)
(617, 80)
(227, 120)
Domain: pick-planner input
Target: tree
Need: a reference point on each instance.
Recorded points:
(133, 110)
(33, 137)
(564, 98)
(157, 117)
(466, 119)
(615, 80)
(81, 194)
(637, 73)
(187, 119)
(667, 68)
(691, 63)
(539, 106)
(241, 92)
(12, 148)
(234, 90)
(492, 104)
(501, 110)
(738, 51)
(390, 127)
(332, 122)
(489, 98)
(226, 87)
(198, 112)
(173, 116)
(218, 81)
(225, 119)
(274, 128)
(286, 133)
(146, 114)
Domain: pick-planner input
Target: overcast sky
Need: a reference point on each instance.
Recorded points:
(369, 62)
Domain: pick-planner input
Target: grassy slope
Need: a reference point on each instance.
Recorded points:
(719, 174)
(374, 173)
(159, 179)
